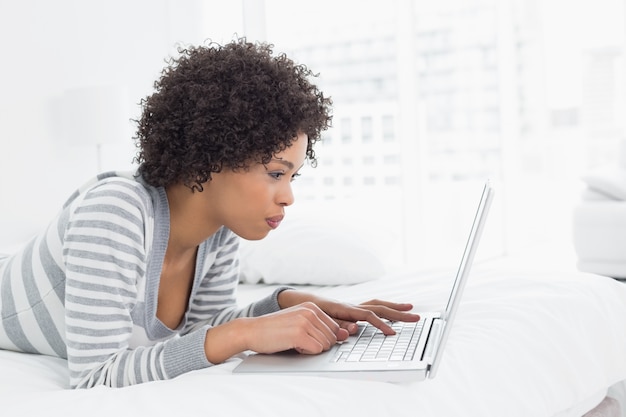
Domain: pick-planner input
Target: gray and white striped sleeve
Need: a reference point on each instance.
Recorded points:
(105, 251)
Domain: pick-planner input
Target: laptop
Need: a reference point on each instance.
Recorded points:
(413, 353)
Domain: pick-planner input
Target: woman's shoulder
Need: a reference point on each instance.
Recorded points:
(123, 185)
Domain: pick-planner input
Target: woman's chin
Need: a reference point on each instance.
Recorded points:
(252, 236)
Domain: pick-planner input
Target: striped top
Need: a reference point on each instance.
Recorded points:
(86, 288)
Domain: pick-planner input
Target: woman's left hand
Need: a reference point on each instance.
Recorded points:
(347, 315)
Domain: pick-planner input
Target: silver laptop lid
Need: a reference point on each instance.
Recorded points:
(462, 273)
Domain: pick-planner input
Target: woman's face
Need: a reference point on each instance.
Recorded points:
(252, 202)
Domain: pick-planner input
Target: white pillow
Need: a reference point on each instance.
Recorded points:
(610, 181)
(308, 251)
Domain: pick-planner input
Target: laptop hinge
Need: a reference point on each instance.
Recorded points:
(434, 336)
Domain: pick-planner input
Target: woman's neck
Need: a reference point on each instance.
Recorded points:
(190, 223)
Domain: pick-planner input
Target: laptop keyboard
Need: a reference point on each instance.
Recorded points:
(372, 345)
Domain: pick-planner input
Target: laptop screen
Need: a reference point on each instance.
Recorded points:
(464, 267)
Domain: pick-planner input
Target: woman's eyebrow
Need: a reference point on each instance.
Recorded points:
(283, 162)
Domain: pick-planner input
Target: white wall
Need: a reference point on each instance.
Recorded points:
(50, 47)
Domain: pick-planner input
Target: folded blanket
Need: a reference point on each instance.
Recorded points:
(613, 269)
(610, 181)
(590, 194)
(599, 233)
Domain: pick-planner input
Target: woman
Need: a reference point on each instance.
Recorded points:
(135, 279)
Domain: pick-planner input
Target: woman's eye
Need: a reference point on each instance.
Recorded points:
(276, 175)
(279, 175)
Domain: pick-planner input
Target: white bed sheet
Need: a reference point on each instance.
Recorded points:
(524, 344)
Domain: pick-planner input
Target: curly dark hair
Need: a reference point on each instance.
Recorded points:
(226, 106)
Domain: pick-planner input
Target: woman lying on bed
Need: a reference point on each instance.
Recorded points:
(135, 279)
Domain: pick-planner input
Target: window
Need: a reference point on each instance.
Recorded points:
(369, 160)
(367, 133)
(430, 97)
(389, 134)
(393, 160)
(346, 130)
(369, 180)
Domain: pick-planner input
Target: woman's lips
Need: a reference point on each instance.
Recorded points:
(274, 222)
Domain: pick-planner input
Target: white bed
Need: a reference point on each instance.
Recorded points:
(524, 344)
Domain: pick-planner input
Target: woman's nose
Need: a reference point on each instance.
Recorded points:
(285, 196)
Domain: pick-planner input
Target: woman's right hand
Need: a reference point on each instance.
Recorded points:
(303, 327)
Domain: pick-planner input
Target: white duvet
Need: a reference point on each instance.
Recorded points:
(523, 344)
